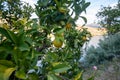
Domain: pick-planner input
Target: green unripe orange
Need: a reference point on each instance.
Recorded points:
(62, 10)
(84, 38)
(57, 43)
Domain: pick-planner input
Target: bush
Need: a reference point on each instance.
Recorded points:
(108, 49)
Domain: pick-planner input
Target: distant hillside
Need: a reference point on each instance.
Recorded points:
(95, 31)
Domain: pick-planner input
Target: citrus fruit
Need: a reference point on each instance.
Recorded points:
(84, 38)
(62, 10)
(68, 26)
(57, 43)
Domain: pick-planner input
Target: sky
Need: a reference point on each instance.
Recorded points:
(94, 8)
(91, 10)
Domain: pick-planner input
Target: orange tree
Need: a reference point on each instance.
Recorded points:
(61, 60)
(25, 41)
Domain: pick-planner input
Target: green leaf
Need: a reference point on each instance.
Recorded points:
(33, 76)
(9, 35)
(23, 21)
(24, 47)
(8, 72)
(51, 57)
(5, 72)
(2, 68)
(52, 77)
(20, 74)
(57, 3)
(61, 31)
(45, 2)
(2, 48)
(29, 41)
(12, 36)
(85, 6)
(59, 67)
(6, 63)
(5, 33)
(85, 20)
(78, 76)
(57, 29)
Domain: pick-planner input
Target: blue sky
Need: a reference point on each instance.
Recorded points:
(94, 8)
(91, 10)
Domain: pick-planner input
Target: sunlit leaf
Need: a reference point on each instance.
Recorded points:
(20, 74)
(5, 72)
(60, 67)
(79, 76)
(8, 34)
(4, 33)
(52, 77)
(8, 72)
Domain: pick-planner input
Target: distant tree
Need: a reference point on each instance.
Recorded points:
(110, 18)
(12, 10)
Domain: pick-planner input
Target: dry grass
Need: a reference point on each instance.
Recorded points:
(108, 71)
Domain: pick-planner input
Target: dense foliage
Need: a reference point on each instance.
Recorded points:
(12, 10)
(108, 49)
(25, 42)
(109, 17)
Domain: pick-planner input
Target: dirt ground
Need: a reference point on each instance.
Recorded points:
(109, 71)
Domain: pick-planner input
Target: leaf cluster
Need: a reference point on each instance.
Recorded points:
(26, 52)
